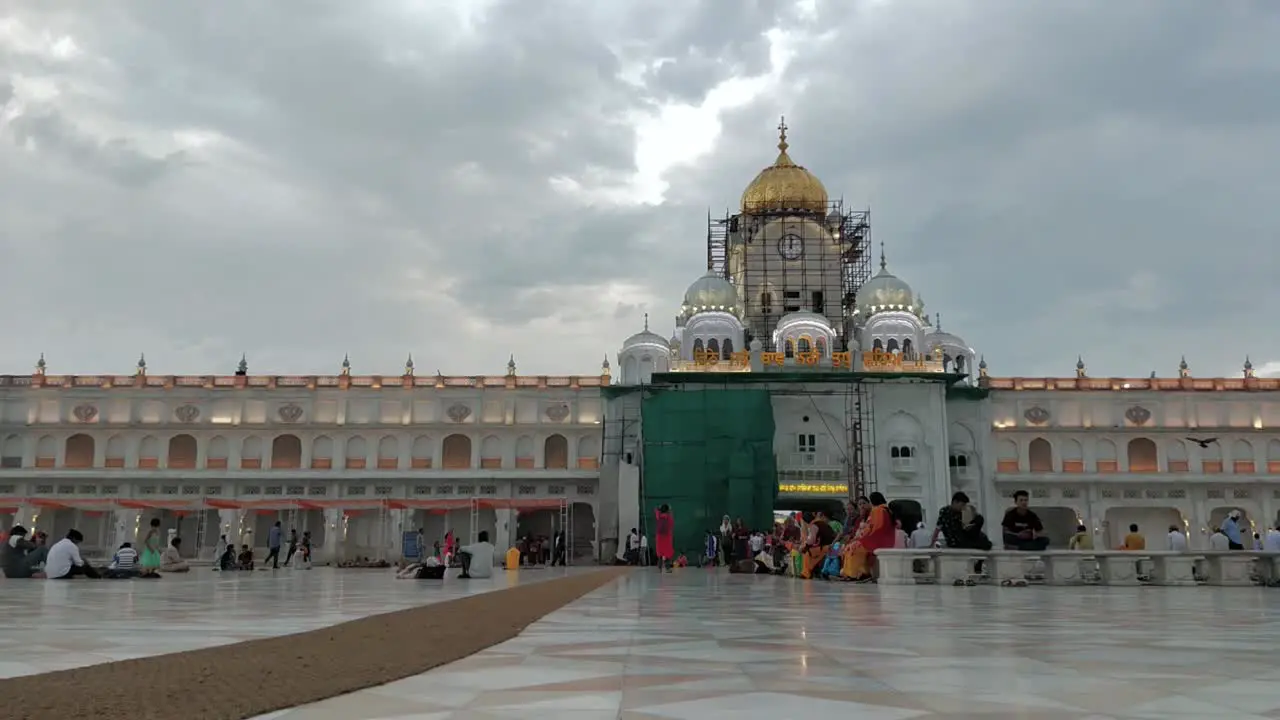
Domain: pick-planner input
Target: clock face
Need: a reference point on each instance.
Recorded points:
(791, 247)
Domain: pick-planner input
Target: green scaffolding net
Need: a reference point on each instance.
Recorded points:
(708, 453)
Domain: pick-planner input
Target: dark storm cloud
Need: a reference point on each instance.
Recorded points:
(1055, 178)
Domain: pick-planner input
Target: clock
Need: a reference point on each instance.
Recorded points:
(791, 247)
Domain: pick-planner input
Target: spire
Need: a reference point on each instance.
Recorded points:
(346, 364)
(1183, 370)
(883, 264)
(511, 366)
(243, 367)
(605, 365)
(142, 364)
(782, 135)
(646, 322)
(937, 322)
(408, 365)
(1080, 366)
(1248, 367)
(41, 365)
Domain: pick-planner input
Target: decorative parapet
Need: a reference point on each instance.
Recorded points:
(1092, 384)
(309, 382)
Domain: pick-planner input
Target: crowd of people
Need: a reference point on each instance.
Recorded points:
(821, 547)
(28, 555)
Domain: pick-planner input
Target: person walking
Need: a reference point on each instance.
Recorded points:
(273, 546)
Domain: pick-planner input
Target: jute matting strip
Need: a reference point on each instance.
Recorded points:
(252, 678)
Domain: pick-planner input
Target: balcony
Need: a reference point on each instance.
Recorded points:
(811, 461)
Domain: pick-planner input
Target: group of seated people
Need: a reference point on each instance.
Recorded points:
(823, 548)
(475, 560)
(24, 557)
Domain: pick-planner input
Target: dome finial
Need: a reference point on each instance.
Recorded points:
(782, 134)
(1080, 369)
(1183, 370)
(937, 321)
(646, 322)
(346, 364)
(408, 365)
(1248, 367)
(511, 366)
(883, 264)
(41, 365)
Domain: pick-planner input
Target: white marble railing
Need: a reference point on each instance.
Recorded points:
(1076, 567)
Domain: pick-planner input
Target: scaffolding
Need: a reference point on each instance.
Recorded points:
(861, 440)
(785, 261)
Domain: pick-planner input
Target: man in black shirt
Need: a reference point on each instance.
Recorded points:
(957, 533)
(1022, 527)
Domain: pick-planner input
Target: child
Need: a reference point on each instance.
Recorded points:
(831, 566)
(711, 554)
(245, 561)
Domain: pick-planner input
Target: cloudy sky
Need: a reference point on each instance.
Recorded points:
(467, 180)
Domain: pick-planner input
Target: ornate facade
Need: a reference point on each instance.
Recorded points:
(356, 460)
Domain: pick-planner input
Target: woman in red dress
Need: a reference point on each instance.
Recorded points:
(663, 530)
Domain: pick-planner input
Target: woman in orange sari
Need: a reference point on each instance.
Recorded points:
(876, 532)
(817, 545)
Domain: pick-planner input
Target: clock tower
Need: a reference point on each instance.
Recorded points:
(790, 249)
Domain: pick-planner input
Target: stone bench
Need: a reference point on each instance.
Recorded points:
(1234, 568)
(897, 566)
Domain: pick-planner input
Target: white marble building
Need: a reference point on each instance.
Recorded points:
(918, 402)
(356, 460)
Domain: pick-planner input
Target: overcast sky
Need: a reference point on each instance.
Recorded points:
(300, 180)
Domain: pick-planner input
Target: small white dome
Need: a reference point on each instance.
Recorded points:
(711, 292)
(644, 337)
(886, 291)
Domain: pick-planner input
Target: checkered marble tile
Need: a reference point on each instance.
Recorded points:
(705, 646)
(58, 625)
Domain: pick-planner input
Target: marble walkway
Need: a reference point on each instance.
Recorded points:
(697, 645)
(99, 621)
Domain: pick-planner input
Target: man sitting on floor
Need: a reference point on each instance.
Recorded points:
(64, 560)
(21, 558)
(477, 558)
(171, 559)
(124, 565)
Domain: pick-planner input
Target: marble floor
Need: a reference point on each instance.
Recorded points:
(107, 620)
(709, 646)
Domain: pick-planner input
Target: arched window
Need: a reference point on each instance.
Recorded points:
(766, 303)
(182, 452)
(726, 349)
(388, 453)
(457, 452)
(908, 350)
(79, 451)
(698, 347)
(893, 345)
(286, 452)
(821, 345)
(803, 345)
(789, 349)
(713, 346)
(877, 345)
(946, 361)
(1040, 456)
(555, 453)
(1142, 456)
(960, 364)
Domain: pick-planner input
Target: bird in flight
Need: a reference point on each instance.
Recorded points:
(1202, 443)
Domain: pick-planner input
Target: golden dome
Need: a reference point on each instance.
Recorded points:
(784, 185)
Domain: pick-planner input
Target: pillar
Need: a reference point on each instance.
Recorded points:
(504, 526)
(334, 534)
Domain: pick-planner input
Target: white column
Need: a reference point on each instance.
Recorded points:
(333, 536)
(504, 527)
